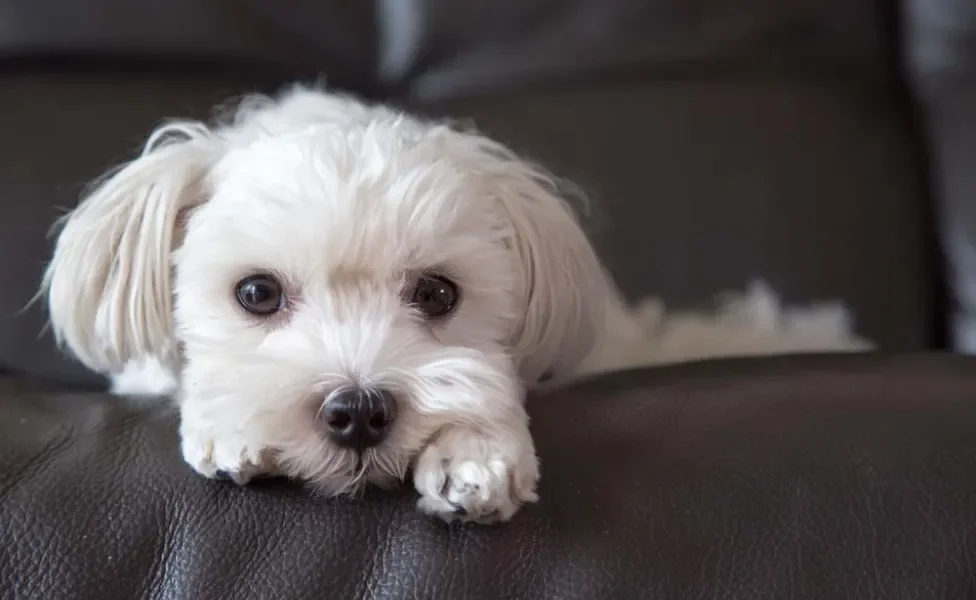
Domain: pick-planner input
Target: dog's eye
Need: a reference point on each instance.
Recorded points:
(434, 296)
(260, 295)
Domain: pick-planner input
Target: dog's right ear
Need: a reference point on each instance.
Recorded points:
(108, 284)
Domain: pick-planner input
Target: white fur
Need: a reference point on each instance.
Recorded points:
(345, 202)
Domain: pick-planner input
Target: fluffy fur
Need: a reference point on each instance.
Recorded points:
(346, 202)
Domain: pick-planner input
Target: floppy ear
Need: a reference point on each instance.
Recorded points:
(564, 290)
(108, 283)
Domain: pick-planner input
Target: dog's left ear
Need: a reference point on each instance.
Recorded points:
(564, 289)
(108, 283)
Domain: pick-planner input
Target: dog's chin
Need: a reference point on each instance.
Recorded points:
(331, 471)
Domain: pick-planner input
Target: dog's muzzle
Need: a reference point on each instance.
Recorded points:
(358, 418)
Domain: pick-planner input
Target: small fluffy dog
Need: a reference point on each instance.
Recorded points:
(341, 293)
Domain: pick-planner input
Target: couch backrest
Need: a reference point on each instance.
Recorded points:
(438, 48)
(820, 104)
(433, 49)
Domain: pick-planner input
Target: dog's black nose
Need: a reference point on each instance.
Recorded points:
(358, 418)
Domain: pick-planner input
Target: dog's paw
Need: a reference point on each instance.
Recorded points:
(466, 475)
(221, 455)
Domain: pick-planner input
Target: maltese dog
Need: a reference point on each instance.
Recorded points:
(341, 293)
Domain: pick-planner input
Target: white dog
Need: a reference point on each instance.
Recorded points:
(339, 293)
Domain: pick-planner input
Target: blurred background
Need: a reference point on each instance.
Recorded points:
(827, 146)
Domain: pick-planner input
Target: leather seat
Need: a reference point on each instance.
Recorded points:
(820, 477)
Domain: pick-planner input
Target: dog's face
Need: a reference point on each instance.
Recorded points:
(341, 288)
(305, 277)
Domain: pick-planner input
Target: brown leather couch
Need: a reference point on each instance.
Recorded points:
(824, 145)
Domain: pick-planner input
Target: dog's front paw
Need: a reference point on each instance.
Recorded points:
(223, 455)
(467, 475)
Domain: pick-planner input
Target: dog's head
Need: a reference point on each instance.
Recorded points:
(341, 280)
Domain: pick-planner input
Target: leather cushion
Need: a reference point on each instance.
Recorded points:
(699, 185)
(817, 477)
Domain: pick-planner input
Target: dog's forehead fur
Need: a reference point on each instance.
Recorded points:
(381, 200)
